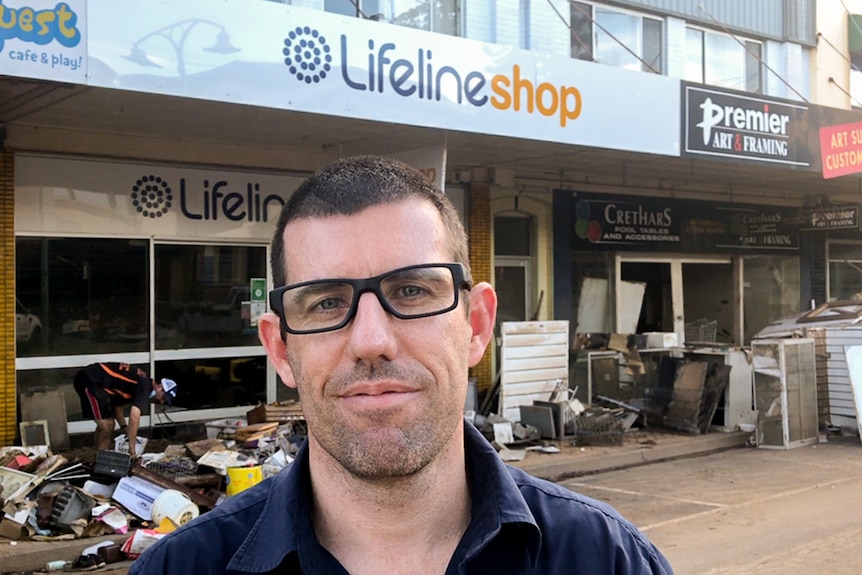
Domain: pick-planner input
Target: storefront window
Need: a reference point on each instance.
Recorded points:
(771, 290)
(216, 382)
(80, 296)
(202, 295)
(845, 271)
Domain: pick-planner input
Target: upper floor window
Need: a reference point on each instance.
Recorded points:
(722, 60)
(433, 15)
(623, 39)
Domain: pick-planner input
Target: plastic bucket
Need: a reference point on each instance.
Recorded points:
(174, 505)
(241, 478)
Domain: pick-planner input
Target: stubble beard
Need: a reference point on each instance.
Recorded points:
(384, 447)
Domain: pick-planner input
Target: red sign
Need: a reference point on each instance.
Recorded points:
(841, 150)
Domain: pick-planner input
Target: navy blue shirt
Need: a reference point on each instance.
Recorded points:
(519, 524)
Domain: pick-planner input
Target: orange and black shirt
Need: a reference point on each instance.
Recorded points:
(123, 383)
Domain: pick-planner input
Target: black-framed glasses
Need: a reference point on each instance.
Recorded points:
(411, 292)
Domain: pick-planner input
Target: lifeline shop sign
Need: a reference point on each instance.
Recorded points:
(726, 125)
(286, 57)
(841, 150)
(43, 40)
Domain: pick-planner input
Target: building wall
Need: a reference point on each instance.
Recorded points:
(545, 28)
(832, 57)
(781, 19)
(479, 237)
(8, 403)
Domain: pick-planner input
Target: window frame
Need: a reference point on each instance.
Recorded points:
(433, 22)
(661, 69)
(704, 33)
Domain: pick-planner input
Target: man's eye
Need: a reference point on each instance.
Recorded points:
(330, 303)
(411, 291)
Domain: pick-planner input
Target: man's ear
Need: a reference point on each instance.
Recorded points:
(483, 314)
(269, 332)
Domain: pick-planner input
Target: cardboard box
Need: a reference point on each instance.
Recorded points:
(15, 526)
(140, 541)
(137, 495)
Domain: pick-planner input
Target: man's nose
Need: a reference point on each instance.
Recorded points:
(371, 331)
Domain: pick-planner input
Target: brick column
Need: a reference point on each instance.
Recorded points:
(479, 234)
(8, 407)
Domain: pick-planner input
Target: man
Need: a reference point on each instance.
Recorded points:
(376, 325)
(106, 388)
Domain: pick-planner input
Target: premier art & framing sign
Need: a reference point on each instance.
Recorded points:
(728, 125)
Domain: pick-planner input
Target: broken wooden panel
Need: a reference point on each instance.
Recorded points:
(697, 390)
(534, 361)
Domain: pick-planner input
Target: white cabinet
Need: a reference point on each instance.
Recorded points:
(785, 392)
(534, 361)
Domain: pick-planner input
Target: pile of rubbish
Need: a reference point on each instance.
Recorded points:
(47, 497)
(559, 417)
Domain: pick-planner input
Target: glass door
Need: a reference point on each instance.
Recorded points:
(656, 294)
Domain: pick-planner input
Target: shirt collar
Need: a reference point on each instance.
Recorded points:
(496, 501)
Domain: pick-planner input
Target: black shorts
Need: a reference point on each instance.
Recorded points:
(95, 403)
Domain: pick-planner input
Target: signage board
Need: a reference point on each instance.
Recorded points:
(841, 150)
(42, 40)
(835, 218)
(257, 287)
(286, 57)
(670, 225)
(721, 124)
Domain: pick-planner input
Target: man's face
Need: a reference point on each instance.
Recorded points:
(382, 396)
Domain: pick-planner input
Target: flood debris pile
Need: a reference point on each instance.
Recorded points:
(551, 422)
(46, 496)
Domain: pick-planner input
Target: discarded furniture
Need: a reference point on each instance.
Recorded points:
(534, 360)
(785, 392)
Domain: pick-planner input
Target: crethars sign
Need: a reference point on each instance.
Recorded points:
(277, 56)
(727, 125)
(613, 222)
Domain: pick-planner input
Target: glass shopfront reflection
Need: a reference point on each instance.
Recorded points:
(81, 296)
(202, 294)
(84, 300)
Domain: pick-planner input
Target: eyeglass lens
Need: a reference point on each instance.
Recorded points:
(409, 293)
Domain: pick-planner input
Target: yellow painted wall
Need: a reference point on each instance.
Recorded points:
(479, 235)
(8, 408)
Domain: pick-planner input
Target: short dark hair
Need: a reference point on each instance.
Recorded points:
(350, 185)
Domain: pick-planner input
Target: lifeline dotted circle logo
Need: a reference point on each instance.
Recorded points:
(584, 227)
(307, 55)
(152, 196)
